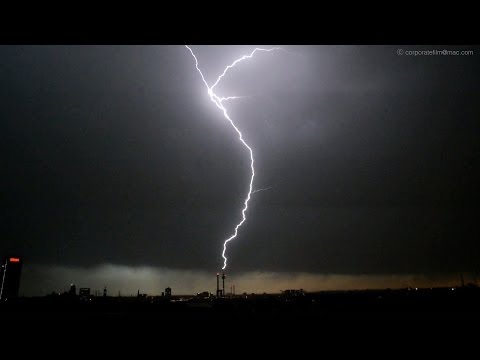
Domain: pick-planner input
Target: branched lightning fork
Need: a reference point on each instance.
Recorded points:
(258, 190)
(218, 102)
(222, 99)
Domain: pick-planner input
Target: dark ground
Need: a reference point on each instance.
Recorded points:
(436, 319)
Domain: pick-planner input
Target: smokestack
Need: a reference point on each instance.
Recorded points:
(223, 281)
(233, 289)
(218, 283)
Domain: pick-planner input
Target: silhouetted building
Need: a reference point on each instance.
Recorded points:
(168, 292)
(104, 291)
(140, 295)
(204, 295)
(10, 277)
(84, 293)
(293, 292)
(73, 289)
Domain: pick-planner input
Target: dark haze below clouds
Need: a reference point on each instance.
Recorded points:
(114, 154)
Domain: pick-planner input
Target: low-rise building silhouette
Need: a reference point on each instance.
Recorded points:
(84, 293)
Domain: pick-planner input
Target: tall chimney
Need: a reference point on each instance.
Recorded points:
(218, 283)
(223, 281)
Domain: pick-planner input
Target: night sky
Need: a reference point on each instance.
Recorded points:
(115, 156)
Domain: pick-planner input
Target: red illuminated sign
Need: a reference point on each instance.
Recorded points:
(14, 260)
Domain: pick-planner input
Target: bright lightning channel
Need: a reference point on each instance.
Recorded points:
(218, 102)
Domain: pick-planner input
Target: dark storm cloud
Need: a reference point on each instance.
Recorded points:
(115, 155)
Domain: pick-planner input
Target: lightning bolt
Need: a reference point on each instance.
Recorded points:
(218, 101)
